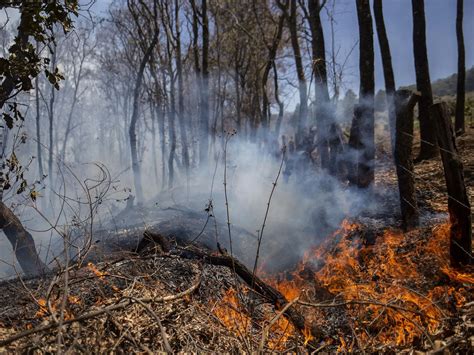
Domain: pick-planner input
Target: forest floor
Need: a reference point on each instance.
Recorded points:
(366, 288)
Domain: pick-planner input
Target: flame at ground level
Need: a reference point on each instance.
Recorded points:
(395, 291)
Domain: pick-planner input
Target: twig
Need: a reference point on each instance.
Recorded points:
(266, 214)
(267, 328)
(98, 312)
(166, 344)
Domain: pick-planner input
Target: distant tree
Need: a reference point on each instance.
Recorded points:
(459, 126)
(428, 146)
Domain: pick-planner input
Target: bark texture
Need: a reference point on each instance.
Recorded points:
(458, 201)
(22, 242)
(461, 84)
(404, 158)
(387, 67)
(428, 147)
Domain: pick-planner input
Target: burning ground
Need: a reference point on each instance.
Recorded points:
(365, 287)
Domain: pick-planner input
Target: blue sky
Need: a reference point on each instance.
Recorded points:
(441, 38)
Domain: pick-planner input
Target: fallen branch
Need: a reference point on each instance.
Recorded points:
(266, 291)
(122, 304)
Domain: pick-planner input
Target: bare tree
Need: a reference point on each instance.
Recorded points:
(428, 147)
(136, 96)
(290, 11)
(459, 125)
(362, 131)
(387, 67)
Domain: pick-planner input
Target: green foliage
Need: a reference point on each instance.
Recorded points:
(39, 19)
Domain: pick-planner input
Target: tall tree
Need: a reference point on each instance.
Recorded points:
(204, 92)
(428, 147)
(290, 11)
(362, 132)
(136, 97)
(52, 98)
(387, 67)
(459, 125)
(324, 109)
(181, 112)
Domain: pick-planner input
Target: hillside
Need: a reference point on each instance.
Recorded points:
(447, 86)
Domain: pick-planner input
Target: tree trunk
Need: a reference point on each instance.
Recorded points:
(281, 107)
(458, 201)
(204, 98)
(181, 111)
(365, 109)
(404, 158)
(387, 68)
(38, 132)
(272, 51)
(51, 123)
(171, 130)
(292, 19)
(22, 242)
(459, 126)
(323, 110)
(428, 148)
(153, 141)
(133, 122)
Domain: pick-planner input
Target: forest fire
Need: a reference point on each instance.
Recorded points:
(212, 176)
(387, 292)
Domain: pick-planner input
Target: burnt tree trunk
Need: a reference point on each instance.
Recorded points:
(404, 105)
(459, 125)
(364, 113)
(22, 242)
(428, 147)
(272, 51)
(292, 20)
(281, 107)
(323, 106)
(458, 201)
(387, 67)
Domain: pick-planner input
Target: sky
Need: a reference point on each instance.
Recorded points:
(441, 39)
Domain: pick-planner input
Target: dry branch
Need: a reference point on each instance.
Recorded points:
(272, 295)
(120, 305)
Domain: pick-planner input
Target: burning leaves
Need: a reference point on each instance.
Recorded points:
(384, 291)
(362, 294)
(397, 291)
